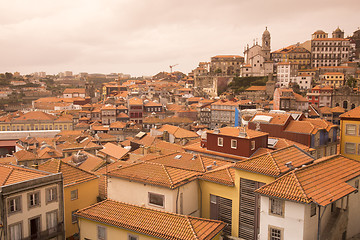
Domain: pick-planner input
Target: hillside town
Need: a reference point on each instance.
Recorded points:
(264, 145)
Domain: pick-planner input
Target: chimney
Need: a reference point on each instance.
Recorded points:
(242, 132)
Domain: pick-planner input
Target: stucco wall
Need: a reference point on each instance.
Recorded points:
(87, 195)
(292, 222)
(26, 214)
(138, 193)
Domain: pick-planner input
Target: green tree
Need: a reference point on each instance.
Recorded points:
(8, 75)
(351, 82)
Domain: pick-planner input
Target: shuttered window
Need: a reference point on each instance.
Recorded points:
(221, 209)
(249, 215)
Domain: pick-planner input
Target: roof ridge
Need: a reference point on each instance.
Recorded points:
(228, 172)
(191, 227)
(299, 184)
(11, 171)
(276, 165)
(168, 175)
(202, 162)
(59, 164)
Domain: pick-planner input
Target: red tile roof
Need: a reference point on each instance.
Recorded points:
(10, 174)
(235, 131)
(159, 224)
(322, 182)
(353, 113)
(114, 150)
(156, 174)
(223, 175)
(273, 163)
(72, 175)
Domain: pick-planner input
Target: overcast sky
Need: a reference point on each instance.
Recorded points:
(144, 37)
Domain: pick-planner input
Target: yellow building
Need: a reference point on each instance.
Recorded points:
(81, 189)
(116, 220)
(350, 134)
(335, 79)
(35, 121)
(231, 190)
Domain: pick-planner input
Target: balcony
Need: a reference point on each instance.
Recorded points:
(49, 233)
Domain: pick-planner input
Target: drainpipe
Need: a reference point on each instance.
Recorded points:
(177, 199)
(319, 221)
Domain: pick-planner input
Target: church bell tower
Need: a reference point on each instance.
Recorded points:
(266, 44)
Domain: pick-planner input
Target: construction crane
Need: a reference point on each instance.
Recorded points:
(171, 67)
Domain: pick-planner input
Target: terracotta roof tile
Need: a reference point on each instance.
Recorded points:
(178, 132)
(322, 182)
(273, 163)
(159, 224)
(10, 174)
(223, 175)
(114, 150)
(187, 161)
(155, 173)
(235, 131)
(72, 175)
(353, 113)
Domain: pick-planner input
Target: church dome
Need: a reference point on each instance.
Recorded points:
(266, 32)
(319, 32)
(338, 30)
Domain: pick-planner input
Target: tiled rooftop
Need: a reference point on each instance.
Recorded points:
(322, 182)
(159, 224)
(156, 174)
(10, 174)
(72, 175)
(273, 163)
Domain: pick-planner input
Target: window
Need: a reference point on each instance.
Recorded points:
(276, 207)
(350, 148)
(357, 185)
(15, 231)
(233, 143)
(14, 204)
(51, 195)
(51, 221)
(156, 199)
(252, 145)
(312, 209)
(220, 141)
(74, 218)
(101, 233)
(350, 129)
(33, 199)
(74, 194)
(275, 233)
(132, 237)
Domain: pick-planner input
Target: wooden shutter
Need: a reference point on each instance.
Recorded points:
(249, 215)
(221, 209)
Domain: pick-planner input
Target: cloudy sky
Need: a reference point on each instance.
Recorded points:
(144, 37)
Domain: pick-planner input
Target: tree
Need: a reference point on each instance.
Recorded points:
(8, 75)
(296, 88)
(351, 82)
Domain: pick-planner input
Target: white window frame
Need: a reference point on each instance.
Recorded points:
(11, 229)
(34, 199)
(220, 141)
(152, 203)
(52, 221)
(16, 203)
(233, 143)
(277, 207)
(51, 195)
